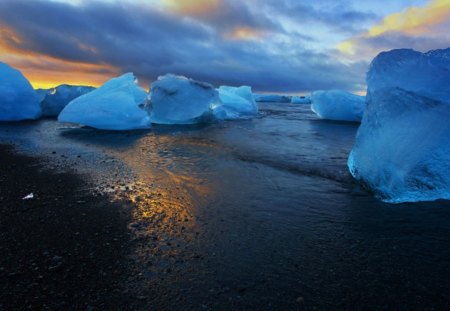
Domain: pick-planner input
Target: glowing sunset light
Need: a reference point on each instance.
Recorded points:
(274, 46)
(194, 7)
(244, 33)
(426, 27)
(415, 20)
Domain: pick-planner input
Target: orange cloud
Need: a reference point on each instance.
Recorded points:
(45, 71)
(64, 72)
(244, 33)
(193, 7)
(414, 21)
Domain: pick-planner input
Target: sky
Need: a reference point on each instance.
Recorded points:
(285, 46)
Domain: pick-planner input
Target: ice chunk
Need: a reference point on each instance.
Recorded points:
(423, 73)
(116, 105)
(41, 93)
(28, 196)
(18, 100)
(402, 148)
(338, 105)
(56, 99)
(179, 100)
(236, 102)
(272, 98)
(301, 100)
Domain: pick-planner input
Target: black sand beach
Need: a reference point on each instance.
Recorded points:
(65, 249)
(253, 215)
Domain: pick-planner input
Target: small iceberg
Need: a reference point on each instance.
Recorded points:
(338, 105)
(236, 103)
(116, 105)
(180, 100)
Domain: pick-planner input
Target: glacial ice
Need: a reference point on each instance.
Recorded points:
(42, 93)
(272, 98)
(423, 73)
(56, 99)
(18, 100)
(338, 105)
(116, 105)
(301, 100)
(180, 100)
(402, 148)
(236, 103)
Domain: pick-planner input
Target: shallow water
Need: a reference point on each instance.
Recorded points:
(258, 214)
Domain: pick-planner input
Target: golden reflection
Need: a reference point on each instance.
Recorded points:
(167, 193)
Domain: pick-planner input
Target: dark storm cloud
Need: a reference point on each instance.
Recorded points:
(152, 42)
(397, 40)
(338, 15)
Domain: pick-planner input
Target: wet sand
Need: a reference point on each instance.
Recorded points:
(259, 214)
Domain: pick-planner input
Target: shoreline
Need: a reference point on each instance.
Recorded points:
(198, 228)
(65, 248)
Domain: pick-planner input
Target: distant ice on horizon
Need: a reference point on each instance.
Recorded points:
(272, 98)
(305, 100)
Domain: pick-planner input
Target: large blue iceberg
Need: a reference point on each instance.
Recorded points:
(235, 103)
(338, 105)
(180, 100)
(54, 100)
(116, 105)
(18, 100)
(402, 148)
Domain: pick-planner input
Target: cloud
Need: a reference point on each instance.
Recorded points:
(193, 7)
(222, 42)
(335, 15)
(422, 28)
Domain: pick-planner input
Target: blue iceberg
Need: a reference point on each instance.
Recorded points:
(18, 100)
(116, 105)
(338, 105)
(235, 103)
(272, 98)
(180, 100)
(402, 148)
(54, 100)
(305, 100)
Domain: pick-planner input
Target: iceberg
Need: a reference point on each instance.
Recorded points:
(18, 100)
(272, 98)
(402, 148)
(236, 103)
(423, 73)
(338, 105)
(42, 93)
(301, 100)
(56, 99)
(116, 105)
(180, 100)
